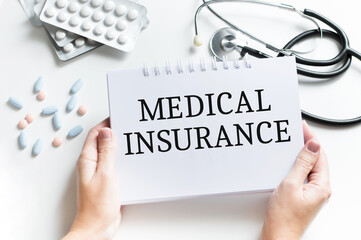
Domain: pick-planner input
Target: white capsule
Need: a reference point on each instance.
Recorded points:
(121, 25)
(38, 146)
(23, 139)
(111, 34)
(86, 26)
(97, 16)
(50, 110)
(61, 3)
(62, 17)
(132, 14)
(39, 84)
(79, 42)
(68, 48)
(75, 131)
(109, 20)
(16, 103)
(74, 21)
(60, 35)
(76, 86)
(73, 7)
(50, 12)
(71, 103)
(99, 30)
(122, 39)
(85, 11)
(96, 3)
(120, 10)
(108, 5)
(57, 121)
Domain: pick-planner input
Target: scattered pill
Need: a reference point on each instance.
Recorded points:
(50, 110)
(50, 12)
(60, 35)
(71, 103)
(82, 110)
(41, 95)
(15, 102)
(85, 11)
(86, 26)
(74, 21)
(122, 39)
(57, 121)
(108, 5)
(73, 7)
(57, 142)
(23, 139)
(76, 86)
(75, 131)
(121, 25)
(22, 124)
(132, 14)
(111, 34)
(79, 42)
(61, 3)
(62, 17)
(68, 47)
(29, 117)
(37, 147)
(39, 84)
(109, 20)
(120, 10)
(97, 16)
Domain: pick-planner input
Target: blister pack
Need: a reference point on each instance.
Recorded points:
(32, 9)
(75, 48)
(116, 23)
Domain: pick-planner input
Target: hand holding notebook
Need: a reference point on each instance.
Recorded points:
(196, 132)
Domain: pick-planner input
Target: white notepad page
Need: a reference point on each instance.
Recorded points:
(246, 138)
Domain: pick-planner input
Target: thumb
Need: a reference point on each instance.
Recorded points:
(106, 151)
(305, 162)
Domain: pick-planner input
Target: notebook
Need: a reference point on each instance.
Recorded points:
(204, 129)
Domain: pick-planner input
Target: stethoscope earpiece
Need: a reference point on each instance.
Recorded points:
(197, 41)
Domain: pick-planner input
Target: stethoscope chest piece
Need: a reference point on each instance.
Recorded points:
(225, 43)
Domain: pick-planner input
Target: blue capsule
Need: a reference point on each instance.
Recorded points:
(57, 121)
(39, 84)
(50, 110)
(23, 139)
(76, 86)
(38, 146)
(75, 131)
(15, 102)
(71, 103)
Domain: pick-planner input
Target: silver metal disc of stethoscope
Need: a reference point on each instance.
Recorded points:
(224, 42)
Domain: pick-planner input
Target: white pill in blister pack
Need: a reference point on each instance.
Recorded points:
(116, 23)
(75, 48)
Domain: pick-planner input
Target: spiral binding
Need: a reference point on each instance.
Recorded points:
(191, 68)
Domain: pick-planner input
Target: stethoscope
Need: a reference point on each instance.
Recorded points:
(227, 40)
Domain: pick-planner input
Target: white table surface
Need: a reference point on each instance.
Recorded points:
(38, 195)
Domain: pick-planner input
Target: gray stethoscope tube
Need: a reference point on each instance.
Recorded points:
(198, 40)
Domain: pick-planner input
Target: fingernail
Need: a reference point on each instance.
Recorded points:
(105, 134)
(313, 146)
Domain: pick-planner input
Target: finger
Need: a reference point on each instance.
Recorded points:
(90, 141)
(106, 152)
(87, 162)
(305, 162)
(307, 133)
(320, 173)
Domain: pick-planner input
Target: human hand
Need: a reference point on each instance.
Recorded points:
(294, 203)
(99, 212)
